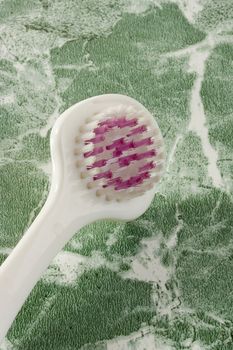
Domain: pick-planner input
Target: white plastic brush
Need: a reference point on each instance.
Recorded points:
(108, 156)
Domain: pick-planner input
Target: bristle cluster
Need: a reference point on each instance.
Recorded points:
(119, 153)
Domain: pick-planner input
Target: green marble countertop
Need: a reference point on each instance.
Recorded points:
(164, 281)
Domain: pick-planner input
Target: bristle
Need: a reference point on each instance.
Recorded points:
(121, 153)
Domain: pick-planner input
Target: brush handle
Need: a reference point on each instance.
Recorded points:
(23, 268)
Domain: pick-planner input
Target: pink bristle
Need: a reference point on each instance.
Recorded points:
(109, 122)
(94, 140)
(126, 146)
(147, 154)
(147, 166)
(116, 143)
(118, 153)
(121, 145)
(122, 123)
(138, 130)
(112, 182)
(97, 164)
(94, 152)
(104, 175)
(100, 130)
(114, 122)
(132, 181)
(126, 160)
(145, 142)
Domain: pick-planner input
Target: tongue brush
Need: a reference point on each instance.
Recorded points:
(107, 155)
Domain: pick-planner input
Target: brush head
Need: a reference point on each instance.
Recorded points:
(120, 153)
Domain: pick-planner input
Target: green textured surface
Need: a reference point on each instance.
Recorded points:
(164, 281)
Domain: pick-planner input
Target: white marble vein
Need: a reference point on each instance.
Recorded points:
(198, 120)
